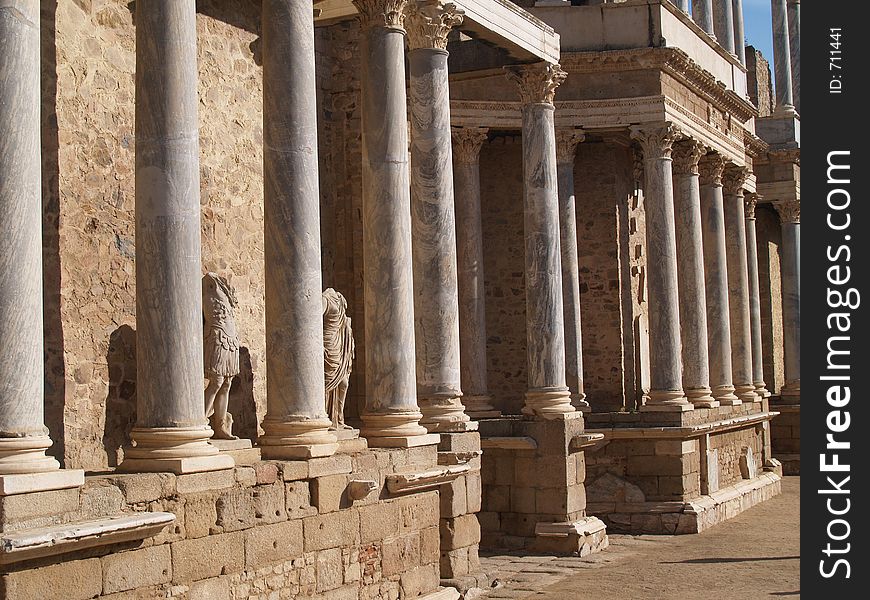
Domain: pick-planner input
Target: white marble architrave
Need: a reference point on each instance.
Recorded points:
(790, 216)
(23, 435)
(391, 416)
(296, 424)
(711, 168)
(666, 372)
(171, 431)
(467, 142)
(751, 201)
(566, 150)
(782, 59)
(690, 271)
(702, 13)
(794, 44)
(723, 23)
(433, 223)
(738, 283)
(547, 395)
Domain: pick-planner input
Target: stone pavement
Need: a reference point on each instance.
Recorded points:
(754, 555)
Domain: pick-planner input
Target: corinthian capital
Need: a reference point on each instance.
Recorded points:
(711, 168)
(467, 142)
(734, 178)
(656, 140)
(537, 82)
(381, 13)
(566, 143)
(687, 154)
(750, 201)
(430, 21)
(789, 211)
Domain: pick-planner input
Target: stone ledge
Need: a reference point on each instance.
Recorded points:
(60, 539)
(509, 443)
(578, 442)
(416, 482)
(41, 482)
(686, 432)
(580, 538)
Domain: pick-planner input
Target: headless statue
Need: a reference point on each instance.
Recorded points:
(338, 355)
(220, 352)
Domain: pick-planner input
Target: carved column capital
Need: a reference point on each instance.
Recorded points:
(734, 178)
(686, 155)
(381, 13)
(789, 211)
(429, 23)
(750, 201)
(656, 139)
(467, 142)
(537, 82)
(567, 139)
(711, 168)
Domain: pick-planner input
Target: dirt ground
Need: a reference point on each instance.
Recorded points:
(754, 555)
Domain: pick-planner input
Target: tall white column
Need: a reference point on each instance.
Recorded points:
(548, 396)
(566, 149)
(391, 416)
(790, 216)
(467, 142)
(666, 373)
(782, 58)
(739, 31)
(723, 23)
(754, 297)
(171, 431)
(794, 44)
(296, 424)
(702, 13)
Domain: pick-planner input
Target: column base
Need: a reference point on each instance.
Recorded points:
(548, 403)
(746, 393)
(725, 395)
(176, 450)
(396, 430)
(702, 398)
(667, 401)
(40, 482)
(444, 413)
(578, 401)
(480, 407)
(791, 393)
(761, 390)
(298, 439)
(26, 454)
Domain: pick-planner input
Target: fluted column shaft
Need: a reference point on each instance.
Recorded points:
(666, 373)
(433, 224)
(794, 44)
(683, 5)
(723, 23)
(781, 57)
(702, 13)
(23, 435)
(391, 415)
(547, 395)
(690, 270)
(790, 215)
(738, 284)
(739, 31)
(566, 147)
(754, 297)
(472, 298)
(716, 279)
(296, 424)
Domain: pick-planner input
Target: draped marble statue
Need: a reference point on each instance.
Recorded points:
(338, 355)
(220, 352)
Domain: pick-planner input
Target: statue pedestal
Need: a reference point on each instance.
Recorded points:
(241, 450)
(349, 441)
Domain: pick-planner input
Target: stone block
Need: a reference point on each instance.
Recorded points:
(459, 442)
(210, 589)
(474, 492)
(205, 481)
(70, 580)
(246, 476)
(298, 500)
(379, 521)
(124, 571)
(269, 503)
(551, 501)
(489, 521)
(417, 511)
(421, 580)
(235, 510)
(675, 447)
(210, 556)
(400, 554)
(200, 515)
(99, 498)
(328, 493)
(504, 470)
(576, 498)
(329, 568)
(292, 470)
(266, 472)
(423, 456)
(333, 530)
(270, 544)
(656, 466)
(146, 487)
(496, 498)
(454, 563)
(522, 500)
(460, 532)
(454, 498)
(430, 544)
(338, 464)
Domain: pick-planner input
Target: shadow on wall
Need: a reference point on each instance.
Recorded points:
(55, 373)
(121, 401)
(242, 405)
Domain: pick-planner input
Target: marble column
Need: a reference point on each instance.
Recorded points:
(790, 216)
(690, 271)
(782, 58)
(754, 297)
(794, 44)
(391, 416)
(683, 5)
(469, 262)
(547, 396)
(738, 283)
(433, 224)
(666, 372)
(711, 168)
(723, 23)
(739, 31)
(23, 435)
(566, 148)
(296, 424)
(171, 432)
(702, 13)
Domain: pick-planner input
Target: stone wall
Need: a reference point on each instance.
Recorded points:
(769, 234)
(758, 82)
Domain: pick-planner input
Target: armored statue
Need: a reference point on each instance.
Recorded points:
(338, 354)
(220, 352)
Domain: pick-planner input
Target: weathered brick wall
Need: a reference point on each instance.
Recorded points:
(758, 81)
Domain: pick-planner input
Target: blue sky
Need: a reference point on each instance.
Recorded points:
(756, 23)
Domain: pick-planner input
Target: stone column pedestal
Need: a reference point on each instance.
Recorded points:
(296, 424)
(433, 224)
(790, 215)
(548, 396)
(469, 262)
(751, 201)
(666, 373)
(171, 431)
(391, 417)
